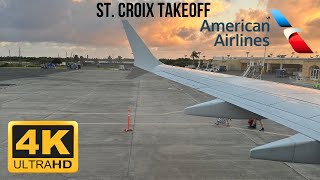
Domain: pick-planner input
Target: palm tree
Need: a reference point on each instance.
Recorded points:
(247, 53)
(194, 55)
(199, 53)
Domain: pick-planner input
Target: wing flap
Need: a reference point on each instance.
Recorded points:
(308, 110)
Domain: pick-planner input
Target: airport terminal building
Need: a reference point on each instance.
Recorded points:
(307, 68)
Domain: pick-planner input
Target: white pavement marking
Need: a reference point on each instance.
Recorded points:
(93, 113)
(273, 133)
(183, 124)
(63, 113)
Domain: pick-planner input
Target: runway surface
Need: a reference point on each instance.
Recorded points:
(165, 143)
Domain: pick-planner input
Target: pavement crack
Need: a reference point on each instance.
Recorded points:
(132, 134)
(296, 171)
(191, 97)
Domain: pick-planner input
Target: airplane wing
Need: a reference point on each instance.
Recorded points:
(237, 97)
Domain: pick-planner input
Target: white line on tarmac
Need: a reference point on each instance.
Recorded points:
(93, 113)
(182, 124)
(158, 114)
(67, 113)
(273, 133)
(188, 124)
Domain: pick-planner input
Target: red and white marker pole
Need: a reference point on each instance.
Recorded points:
(129, 121)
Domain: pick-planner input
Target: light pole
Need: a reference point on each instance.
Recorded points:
(199, 57)
(20, 56)
(9, 57)
(265, 50)
(247, 54)
(9, 52)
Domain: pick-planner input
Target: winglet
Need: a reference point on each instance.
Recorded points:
(143, 58)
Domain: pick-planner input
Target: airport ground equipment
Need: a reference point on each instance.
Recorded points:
(223, 121)
(281, 73)
(251, 70)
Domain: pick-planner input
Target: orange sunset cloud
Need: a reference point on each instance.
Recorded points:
(75, 23)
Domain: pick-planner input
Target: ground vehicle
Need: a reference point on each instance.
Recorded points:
(222, 69)
(71, 65)
(210, 70)
(48, 66)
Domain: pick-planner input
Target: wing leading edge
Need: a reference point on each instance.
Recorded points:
(291, 106)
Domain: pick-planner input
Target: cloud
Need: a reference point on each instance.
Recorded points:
(303, 14)
(312, 27)
(276, 37)
(32, 14)
(51, 21)
(75, 22)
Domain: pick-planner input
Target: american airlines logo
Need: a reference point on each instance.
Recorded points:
(291, 34)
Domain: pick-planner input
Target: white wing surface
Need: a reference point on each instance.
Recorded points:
(295, 107)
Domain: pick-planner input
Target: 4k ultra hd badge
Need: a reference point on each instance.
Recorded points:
(43, 147)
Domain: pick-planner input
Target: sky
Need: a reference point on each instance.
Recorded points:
(65, 27)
